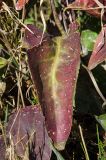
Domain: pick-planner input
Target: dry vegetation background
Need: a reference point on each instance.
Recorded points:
(87, 138)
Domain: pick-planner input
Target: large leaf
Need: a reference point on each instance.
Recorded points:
(27, 134)
(56, 64)
(99, 51)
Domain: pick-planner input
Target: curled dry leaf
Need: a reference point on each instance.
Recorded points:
(86, 4)
(20, 4)
(99, 51)
(55, 65)
(26, 129)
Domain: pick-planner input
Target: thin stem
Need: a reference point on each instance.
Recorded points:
(83, 8)
(83, 142)
(19, 79)
(57, 21)
(102, 10)
(98, 139)
(95, 84)
(43, 20)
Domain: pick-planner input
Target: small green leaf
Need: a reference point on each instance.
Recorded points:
(102, 120)
(3, 62)
(88, 38)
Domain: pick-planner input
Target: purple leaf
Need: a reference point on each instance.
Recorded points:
(2, 148)
(34, 38)
(54, 67)
(99, 51)
(27, 130)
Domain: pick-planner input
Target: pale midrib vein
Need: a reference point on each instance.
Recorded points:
(54, 69)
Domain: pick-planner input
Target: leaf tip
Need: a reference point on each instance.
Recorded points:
(60, 145)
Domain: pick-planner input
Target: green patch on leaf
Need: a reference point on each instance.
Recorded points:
(102, 120)
(88, 38)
